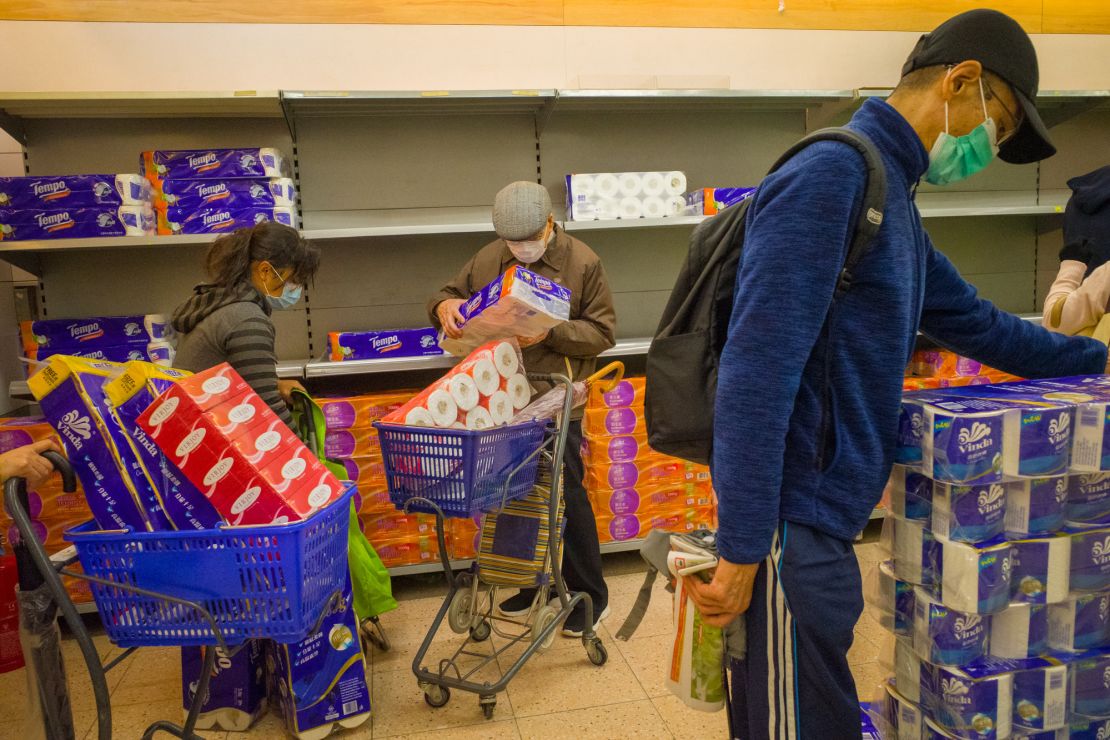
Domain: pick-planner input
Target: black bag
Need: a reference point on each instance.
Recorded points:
(684, 356)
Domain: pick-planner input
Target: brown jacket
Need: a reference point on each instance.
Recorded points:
(570, 263)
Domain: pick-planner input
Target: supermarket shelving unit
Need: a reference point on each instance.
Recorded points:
(395, 187)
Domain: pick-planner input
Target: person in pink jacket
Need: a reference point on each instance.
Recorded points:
(1080, 295)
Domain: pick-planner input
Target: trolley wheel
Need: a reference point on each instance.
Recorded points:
(480, 632)
(597, 653)
(436, 696)
(374, 633)
(488, 704)
(458, 614)
(545, 616)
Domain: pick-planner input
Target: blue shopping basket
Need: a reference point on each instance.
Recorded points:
(265, 581)
(463, 472)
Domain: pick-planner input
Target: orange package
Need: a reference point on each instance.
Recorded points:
(653, 499)
(396, 552)
(398, 525)
(629, 393)
(366, 472)
(624, 448)
(360, 412)
(463, 538)
(343, 444)
(373, 500)
(18, 432)
(641, 474)
(606, 422)
(623, 527)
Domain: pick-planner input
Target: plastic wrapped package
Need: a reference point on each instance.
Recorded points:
(1090, 559)
(1081, 622)
(911, 493)
(1039, 569)
(968, 513)
(890, 600)
(944, 636)
(974, 578)
(1088, 501)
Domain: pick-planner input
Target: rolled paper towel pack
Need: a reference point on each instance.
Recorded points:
(915, 552)
(1041, 698)
(1090, 560)
(592, 196)
(1036, 505)
(903, 718)
(981, 706)
(968, 513)
(944, 636)
(1081, 622)
(1090, 686)
(1088, 499)
(911, 493)
(975, 578)
(1040, 569)
(1021, 631)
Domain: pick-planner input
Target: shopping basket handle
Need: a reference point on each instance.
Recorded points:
(69, 480)
(616, 368)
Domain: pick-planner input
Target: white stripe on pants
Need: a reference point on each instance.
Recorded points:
(782, 719)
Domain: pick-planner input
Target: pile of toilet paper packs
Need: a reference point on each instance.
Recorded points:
(996, 593)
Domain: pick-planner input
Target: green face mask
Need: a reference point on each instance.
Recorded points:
(955, 158)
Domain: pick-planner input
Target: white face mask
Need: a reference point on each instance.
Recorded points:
(528, 252)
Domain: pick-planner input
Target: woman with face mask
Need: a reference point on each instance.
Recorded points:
(252, 272)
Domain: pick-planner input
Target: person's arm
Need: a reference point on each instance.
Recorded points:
(249, 348)
(28, 463)
(957, 318)
(458, 288)
(1073, 303)
(593, 330)
(795, 245)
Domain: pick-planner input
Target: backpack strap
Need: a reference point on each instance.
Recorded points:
(874, 194)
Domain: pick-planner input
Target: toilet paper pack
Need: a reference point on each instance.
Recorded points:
(915, 552)
(1090, 559)
(962, 447)
(974, 578)
(968, 513)
(70, 391)
(1040, 569)
(979, 708)
(711, 201)
(1090, 686)
(896, 717)
(653, 500)
(626, 195)
(94, 331)
(343, 444)
(519, 303)
(652, 471)
(210, 164)
(320, 682)
(911, 432)
(236, 690)
(1036, 505)
(219, 218)
(1081, 622)
(76, 223)
(1088, 500)
(912, 676)
(74, 191)
(891, 599)
(603, 450)
(159, 352)
(944, 636)
(614, 422)
(628, 393)
(911, 493)
(1019, 632)
(1041, 698)
(359, 412)
(375, 345)
(1086, 728)
(237, 193)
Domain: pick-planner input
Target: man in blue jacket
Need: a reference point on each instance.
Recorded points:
(809, 387)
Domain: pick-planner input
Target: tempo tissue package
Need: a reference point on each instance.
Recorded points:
(218, 218)
(76, 223)
(606, 196)
(94, 331)
(234, 194)
(74, 191)
(711, 201)
(210, 164)
(519, 303)
(236, 451)
(375, 345)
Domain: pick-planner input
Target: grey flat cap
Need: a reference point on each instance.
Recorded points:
(520, 210)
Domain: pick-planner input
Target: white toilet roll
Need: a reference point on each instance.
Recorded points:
(478, 418)
(654, 207)
(419, 417)
(519, 391)
(506, 360)
(630, 184)
(675, 205)
(675, 183)
(631, 208)
(974, 578)
(464, 390)
(443, 409)
(581, 186)
(606, 186)
(1040, 569)
(486, 377)
(500, 408)
(914, 552)
(654, 184)
(1021, 631)
(909, 719)
(607, 209)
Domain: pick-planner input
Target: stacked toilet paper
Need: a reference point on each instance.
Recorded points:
(74, 206)
(998, 591)
(607, 196)
(111, 338)
(210, 191)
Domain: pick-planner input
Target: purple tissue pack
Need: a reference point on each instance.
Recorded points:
(218, 219)
(375, 345)
(209, 164)
(233, 194)
(95, 330)
(74, 191)
(76, 223)
(159, 352)
(236, 690)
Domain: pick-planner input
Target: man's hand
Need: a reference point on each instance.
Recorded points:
(529, 341)
(286, 386)
(727, 596)
(28, 462)
(449, 317)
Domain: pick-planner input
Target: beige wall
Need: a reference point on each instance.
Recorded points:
(43, 56)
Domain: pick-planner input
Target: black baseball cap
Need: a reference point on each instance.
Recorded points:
(996, 41)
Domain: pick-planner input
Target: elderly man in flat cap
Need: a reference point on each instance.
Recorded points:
(528, 236)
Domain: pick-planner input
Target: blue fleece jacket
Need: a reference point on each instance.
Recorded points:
(809, 388)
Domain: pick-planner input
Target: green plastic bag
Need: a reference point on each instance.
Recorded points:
(371, 589)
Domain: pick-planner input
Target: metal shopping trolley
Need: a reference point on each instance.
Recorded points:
(513, 476)
(217, 587)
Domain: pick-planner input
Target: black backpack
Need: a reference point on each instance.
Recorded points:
(684, 356)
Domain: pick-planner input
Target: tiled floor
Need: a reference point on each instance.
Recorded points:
(557, 694)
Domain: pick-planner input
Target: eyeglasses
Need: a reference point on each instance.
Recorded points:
(1015, 117)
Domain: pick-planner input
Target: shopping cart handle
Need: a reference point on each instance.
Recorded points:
(69, 480)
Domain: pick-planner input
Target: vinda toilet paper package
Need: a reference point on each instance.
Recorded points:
(1040, 698)
(968, 513)
(360, 412)
(236, 689)
(1036, 505)
(911, 493)
(129, 395)
(607, 196)
(1090, 686)
(944, 636)
(518, 303)
(1088, 500)
(980, 708)
(915, 552)
(1080, 622)
(214, 164)
(235, 193)
(1021, 631)
(975, 578)
(320, 682)
(74, 191)
(891, 600)
(70, 391)
(93, 331)
(76, 223)
(1040, 569)
(1090, 559)
(375, 345)
(217, 219)
(912, 677)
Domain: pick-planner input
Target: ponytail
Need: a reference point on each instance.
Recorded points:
(229, 259)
